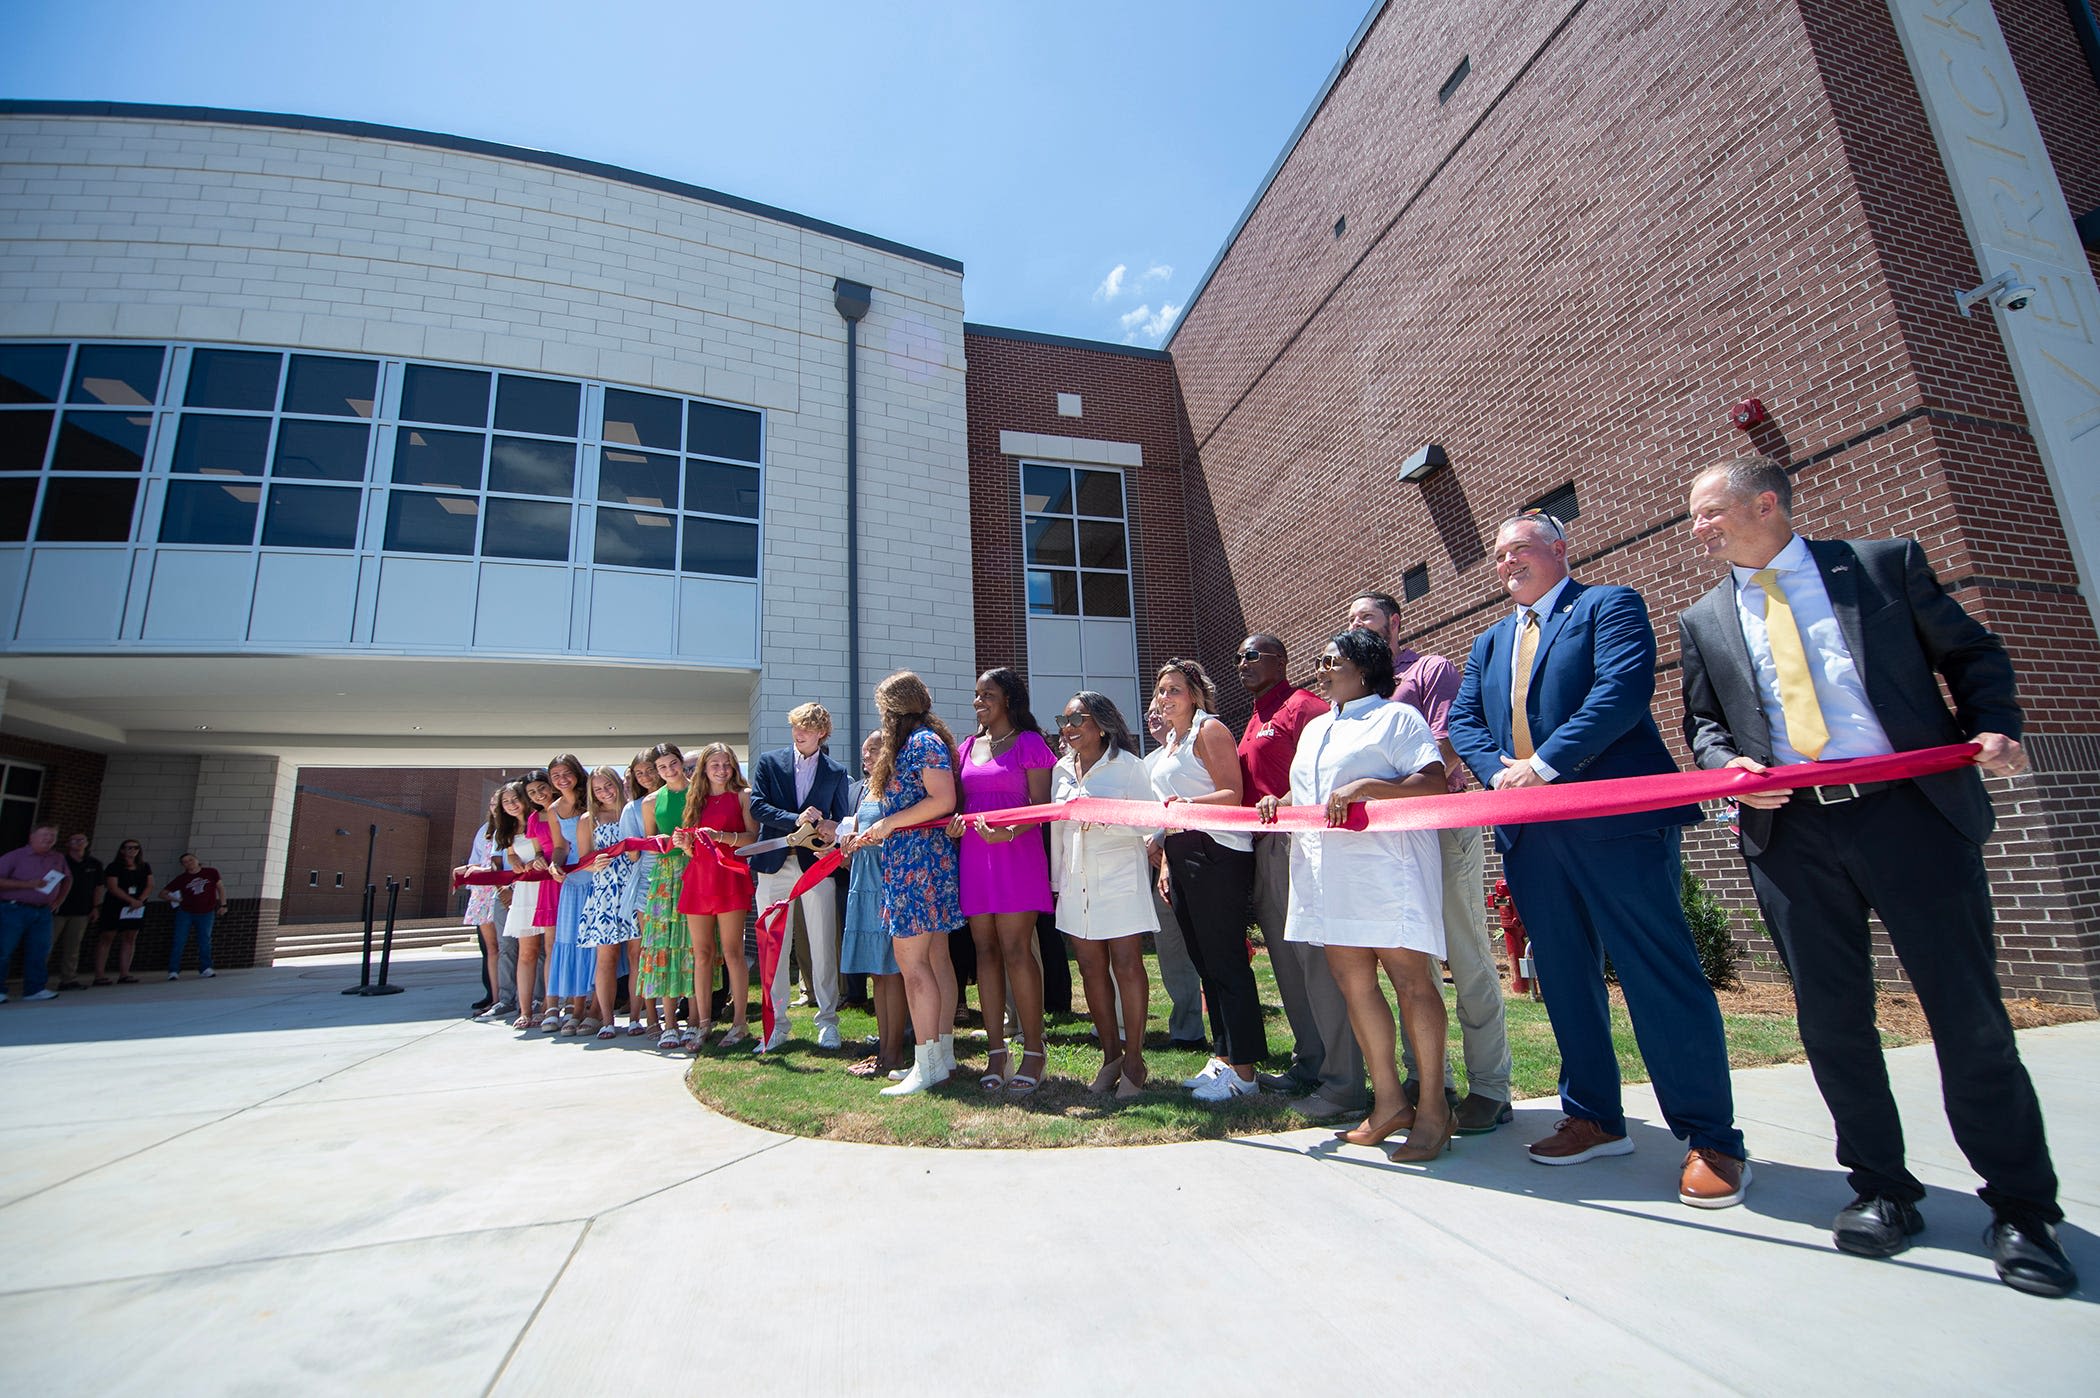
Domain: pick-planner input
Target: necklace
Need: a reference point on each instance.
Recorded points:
(999, 739)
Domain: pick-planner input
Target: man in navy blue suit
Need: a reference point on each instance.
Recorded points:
(1558, 692)
(788, 785)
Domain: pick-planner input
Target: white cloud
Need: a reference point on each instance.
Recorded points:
(1144, 324)
(1159, 272)
(1111, 285)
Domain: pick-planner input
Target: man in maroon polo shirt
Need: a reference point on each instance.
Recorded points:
(1326, 1076)
(1430, 683)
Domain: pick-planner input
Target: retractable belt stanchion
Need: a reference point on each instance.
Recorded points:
(386, 950)
(364, 976)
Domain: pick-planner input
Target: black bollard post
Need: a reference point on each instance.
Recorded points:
(386, 951)
(364, 979)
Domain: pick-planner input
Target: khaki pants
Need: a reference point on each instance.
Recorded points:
(70, 930)
(1471, 954)
(1325, 1056)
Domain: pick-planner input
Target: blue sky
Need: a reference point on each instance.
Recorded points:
(1044, 144)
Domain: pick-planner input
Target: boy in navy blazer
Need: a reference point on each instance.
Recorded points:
(787, 785)
(1579, 711)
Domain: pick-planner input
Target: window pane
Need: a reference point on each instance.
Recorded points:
(641, 419)
(1053, 593)
(423, 456)
(1046, 488)
(717, 431)
(24, 781)
(17, 501)
(721, 490)
(123, 376)
(1050, 541)
(233, 379)
(431, 394)
(311, 517)
(430, 523)
(637, 478)
(526, 529)
(221, 446)
(31, 373)
(23, 437)
(101, 441)
(1101, 493)
(209, 512)
(321, 451)
(527, 467)
(1101, 545)
(1107, 594)
(82, 509)
(632, 539)
(545, 406)
(718, 546)
(331, 387)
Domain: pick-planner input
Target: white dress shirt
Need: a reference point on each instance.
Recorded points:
(805, 777)
(1541, 609)
(1840, 693)
(1364, 888)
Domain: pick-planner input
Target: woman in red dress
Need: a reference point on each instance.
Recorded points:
(716, 894)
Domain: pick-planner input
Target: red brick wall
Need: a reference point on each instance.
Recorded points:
(72, 784)
(1012, 386)
(1624, 220)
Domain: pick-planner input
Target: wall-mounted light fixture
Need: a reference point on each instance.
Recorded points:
(1423, 462)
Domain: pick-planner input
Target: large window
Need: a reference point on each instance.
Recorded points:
(21, 786)
(285, 449)
(1075, 545)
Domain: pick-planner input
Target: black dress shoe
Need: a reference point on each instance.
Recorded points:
(1876, 1227)
(1479, 1116)
(2028, 1257)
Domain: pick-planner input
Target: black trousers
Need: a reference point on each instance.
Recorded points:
(1211, 887)
(1893, 852)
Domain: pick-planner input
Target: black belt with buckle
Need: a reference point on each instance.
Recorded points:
(1839, 795)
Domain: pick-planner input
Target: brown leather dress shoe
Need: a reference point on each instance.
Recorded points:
(1712, 1180)
(1576, 1139)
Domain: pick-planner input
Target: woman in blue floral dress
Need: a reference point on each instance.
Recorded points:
(921, 891)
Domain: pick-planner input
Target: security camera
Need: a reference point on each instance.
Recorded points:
(2005, 291)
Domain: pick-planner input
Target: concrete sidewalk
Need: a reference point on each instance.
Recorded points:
(258, 1184)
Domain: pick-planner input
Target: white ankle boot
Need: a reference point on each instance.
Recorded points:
(946, 1044)
(924, 1071)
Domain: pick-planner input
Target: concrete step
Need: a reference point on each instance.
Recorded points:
(335, 939)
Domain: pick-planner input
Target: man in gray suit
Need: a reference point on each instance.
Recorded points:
(1819, 650)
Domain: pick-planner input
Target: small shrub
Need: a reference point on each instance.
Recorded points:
(1713, 931)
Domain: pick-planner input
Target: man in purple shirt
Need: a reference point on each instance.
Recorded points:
(33, 881)
(1429, 683)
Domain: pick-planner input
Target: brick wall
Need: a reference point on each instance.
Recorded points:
(426, 816)
(72, 793)
(1013, 382)
(1624, 220)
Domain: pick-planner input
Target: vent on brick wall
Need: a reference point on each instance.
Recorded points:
(1559, 503)
(1458, 75)
(1341, 225)
(1414, 583)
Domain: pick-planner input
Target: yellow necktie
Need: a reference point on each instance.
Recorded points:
(1805, 728)
(1520, 684)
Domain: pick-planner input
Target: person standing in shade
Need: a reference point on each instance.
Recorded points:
(33, 880)
(1326, 1076)
(127, 880)
(788, 786)
(197, 898)
(1429, 683)
(1817, 650)
(1558, 692)
(1207, 878)
(70, 923)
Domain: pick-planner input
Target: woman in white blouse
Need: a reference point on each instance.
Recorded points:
(1374, 899)
(1103, 883)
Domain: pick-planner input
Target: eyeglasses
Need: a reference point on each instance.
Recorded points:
(1072, 720)
(1328, 662)
(1252, 654)
(1550, 523)
(122, 848)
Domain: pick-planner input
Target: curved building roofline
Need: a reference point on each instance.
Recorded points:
(335, 126)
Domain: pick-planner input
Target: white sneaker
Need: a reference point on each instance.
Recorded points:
(828, 1037)
(208, 973)
(173, 977)
(47, 993)
(3, 997)
(1226, 1086)
(1210, 1070)
(776, 1040)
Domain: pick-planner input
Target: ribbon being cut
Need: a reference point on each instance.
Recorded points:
(1560, 801)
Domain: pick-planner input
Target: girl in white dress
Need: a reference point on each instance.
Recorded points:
(521, 852)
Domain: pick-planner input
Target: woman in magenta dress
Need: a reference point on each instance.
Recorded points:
(1005, 872)
(715, 896)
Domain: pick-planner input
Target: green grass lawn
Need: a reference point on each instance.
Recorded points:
(804, 1091)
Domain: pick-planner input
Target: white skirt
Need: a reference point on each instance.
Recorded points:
(524, 902)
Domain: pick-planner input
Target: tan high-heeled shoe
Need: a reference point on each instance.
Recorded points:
(1420, 1148)
(1111, 1073)
(1370, 1133)
(1127, 1087)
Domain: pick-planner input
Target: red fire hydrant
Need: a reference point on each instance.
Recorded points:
(1514, 938)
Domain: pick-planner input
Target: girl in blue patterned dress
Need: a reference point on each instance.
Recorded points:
(921, 896)
(600, 929)
(569, 966)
